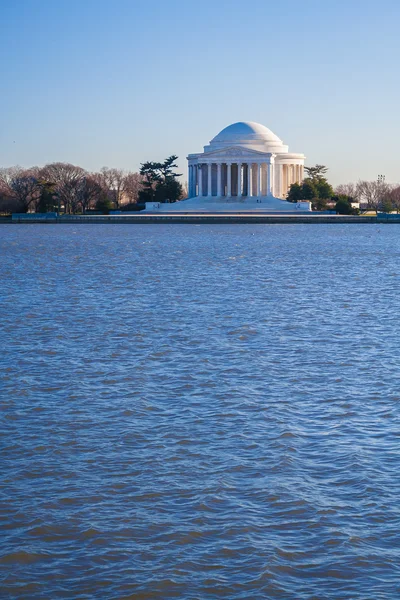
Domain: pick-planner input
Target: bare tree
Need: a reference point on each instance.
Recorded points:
(372, 193)
(114, 180)
(20, 185)
(7, 174)
(100, 180)
(88, 192)
(6, 193)
(185, 193)
(132, 186)
(8, 204)
(66, 178)
(394, 197)
(347, 189)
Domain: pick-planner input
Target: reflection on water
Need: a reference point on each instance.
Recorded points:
(200, 411)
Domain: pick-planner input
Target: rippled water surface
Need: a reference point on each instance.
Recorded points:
(200, 412)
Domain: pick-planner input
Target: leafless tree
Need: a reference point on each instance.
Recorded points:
(7, 174)
(66, 178)
(347, 189)
(88, 192)
(185, 192)
(21, 186)
(372, 193)
(132, 186)
(8, 202)
(394, 197)
(114, 181)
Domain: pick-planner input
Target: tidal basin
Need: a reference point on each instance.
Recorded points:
(200, 412)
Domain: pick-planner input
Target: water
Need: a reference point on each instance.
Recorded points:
(200, 412)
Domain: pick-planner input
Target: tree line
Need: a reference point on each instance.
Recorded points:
(70, 189)
(372, 195)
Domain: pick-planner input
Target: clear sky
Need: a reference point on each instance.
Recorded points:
(116, 83)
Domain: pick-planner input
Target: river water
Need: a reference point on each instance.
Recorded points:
(200, 412)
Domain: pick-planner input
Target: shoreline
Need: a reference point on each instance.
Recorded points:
(203, 219)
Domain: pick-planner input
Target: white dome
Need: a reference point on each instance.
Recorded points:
(249, 135)
(246, 131)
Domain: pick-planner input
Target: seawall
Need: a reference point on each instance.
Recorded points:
(203, 219)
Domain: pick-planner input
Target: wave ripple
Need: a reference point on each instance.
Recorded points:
(179, 424)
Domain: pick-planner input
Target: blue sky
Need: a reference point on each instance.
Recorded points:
(95, 82)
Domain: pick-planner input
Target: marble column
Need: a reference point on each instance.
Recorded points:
(258, 179)
(264, 172)
(191, 172)
(209, 180)
(239, 179)
(229, 179)
(219, 179)
(269, 178)
(272, 186)
(278, 181)
(249, 180)
(200, 176)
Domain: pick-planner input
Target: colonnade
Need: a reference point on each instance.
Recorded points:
(242, 178)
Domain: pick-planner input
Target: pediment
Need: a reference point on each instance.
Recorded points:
(233, 152)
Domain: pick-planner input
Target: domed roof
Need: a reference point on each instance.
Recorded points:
(248, 135)
(246, 131)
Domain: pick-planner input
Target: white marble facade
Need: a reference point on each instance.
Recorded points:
(244, 167)
(244, 160)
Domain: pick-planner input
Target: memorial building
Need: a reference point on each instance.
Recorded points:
(245, 167)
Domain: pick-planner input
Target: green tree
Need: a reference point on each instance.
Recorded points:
(316, 173)
(324, 188)
(319, 204)
(309, 190)
(104, 205)
(343, 205)
(167, 168)
(315, 188)
(160, 181)
(150, 171)
(295, 193)
(387, 206)
(170, 191)
(47, 201)
(317, 177)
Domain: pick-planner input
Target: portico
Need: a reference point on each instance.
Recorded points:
(250, 178)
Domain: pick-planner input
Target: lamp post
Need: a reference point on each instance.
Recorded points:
(381, 191)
